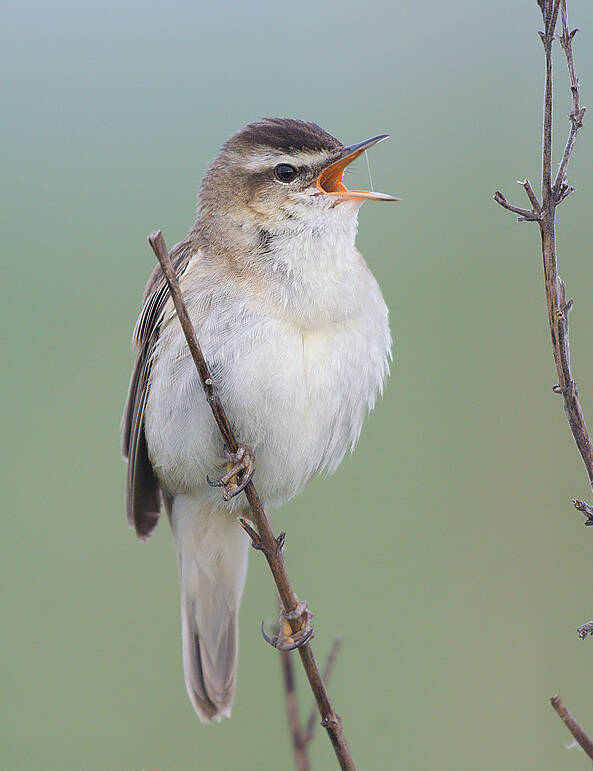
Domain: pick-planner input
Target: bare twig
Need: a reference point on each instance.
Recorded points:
(572, 725)
(585, 509)
(525, 183)
(549, 11)
(577, 113)
(558, 307)
(299, 745)
(545, 214)
(585, 629)
(303, 736)
(327, 670)
(525, 215)
(263, 539)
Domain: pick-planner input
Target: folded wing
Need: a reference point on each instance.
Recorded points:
(143, 495)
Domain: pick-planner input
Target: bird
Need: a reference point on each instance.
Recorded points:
(295, 331)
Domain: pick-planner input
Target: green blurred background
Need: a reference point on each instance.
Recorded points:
(445, 550)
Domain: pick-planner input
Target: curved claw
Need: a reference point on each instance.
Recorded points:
(230, 493)
(270, 640)
(240, 470)
(282, 644)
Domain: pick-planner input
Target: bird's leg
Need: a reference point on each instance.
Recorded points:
(286, 639)
(240, 470)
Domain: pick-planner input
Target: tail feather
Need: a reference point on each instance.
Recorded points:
(212, 550)
(205, 708)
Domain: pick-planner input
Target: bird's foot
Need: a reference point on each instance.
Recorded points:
(240, 470)
(287, 639)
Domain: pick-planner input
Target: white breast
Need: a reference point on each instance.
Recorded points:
(296, 387)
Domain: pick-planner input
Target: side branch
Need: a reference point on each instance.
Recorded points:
(299, 745)
(327, 670)
(302, 736)
(525, 215)
(263, 539)
(575, 729)
(585, 509)
(561, 189)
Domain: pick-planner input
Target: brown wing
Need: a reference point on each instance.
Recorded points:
(143, 496)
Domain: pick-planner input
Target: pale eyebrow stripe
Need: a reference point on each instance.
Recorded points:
(303, 158)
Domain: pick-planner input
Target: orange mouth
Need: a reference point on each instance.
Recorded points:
(330, 180)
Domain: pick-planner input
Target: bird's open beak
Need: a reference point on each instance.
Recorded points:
(330, 179)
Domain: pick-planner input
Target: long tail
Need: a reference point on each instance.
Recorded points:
(212, 551)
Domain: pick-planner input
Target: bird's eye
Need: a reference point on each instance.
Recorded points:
(284, 172)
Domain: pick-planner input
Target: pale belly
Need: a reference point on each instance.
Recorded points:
(298, 399)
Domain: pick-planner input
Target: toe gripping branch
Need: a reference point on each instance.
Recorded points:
(257, 542)
(286, 639)
(240, 470)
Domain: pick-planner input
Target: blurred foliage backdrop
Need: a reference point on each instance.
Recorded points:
(449, 536)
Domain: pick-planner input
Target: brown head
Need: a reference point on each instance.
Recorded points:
(276, 175)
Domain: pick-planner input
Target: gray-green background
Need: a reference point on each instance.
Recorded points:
(445, 550)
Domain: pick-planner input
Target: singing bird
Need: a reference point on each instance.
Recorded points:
(295, 331)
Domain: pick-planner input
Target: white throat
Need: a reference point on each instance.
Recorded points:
(311, 266)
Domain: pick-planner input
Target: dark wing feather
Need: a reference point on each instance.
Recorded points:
(143, 496)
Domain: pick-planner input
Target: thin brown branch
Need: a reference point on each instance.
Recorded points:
(264, 539)
(558, 306)
(585, 629)
(550, 15)
(301, 737)
(555, 291)
(525, 215)
(299, 743)
(585, 509)
(327, 670)
(552, 195)
(561, 189)
(526, 184)
(575, 729)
